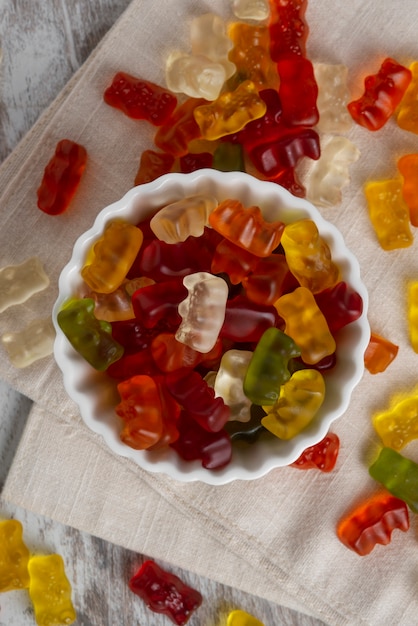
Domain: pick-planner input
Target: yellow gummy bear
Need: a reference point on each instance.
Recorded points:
(306, 325)
(300, 399)
(14, 557)
(112, 256)
(230, 112)
(389, 214)
(50, 591)
(399, 425)
(241, 618)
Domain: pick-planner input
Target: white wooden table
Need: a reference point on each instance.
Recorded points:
(43, 43)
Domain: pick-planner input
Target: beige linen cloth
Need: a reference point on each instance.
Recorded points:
(275, 536)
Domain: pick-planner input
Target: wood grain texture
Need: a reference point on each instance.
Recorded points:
(43, 43)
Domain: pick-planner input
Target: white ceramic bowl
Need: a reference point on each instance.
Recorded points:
(95, 394)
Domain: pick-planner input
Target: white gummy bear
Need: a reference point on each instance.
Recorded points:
(202, 311)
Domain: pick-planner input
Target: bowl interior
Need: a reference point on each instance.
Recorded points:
(95, 393)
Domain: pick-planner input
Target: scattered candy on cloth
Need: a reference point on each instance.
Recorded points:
(276, 536)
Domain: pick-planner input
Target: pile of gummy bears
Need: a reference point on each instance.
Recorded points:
(247, 98)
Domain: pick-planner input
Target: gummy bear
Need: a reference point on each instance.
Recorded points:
(194, 75)
(388, 214)
(229, 383)
(382, 94)
(34, 342)
(308, 256)
(268, 369)
(14, 556)
(112, 256)
(306, 324)
(408, 108)
(230, 112)
(165, 593)
(19, 282)
(300, 399)
(398, 425)
(179, 220)
(333, 97)
(372, 523)
(61, 177)
(330, 173)
(202, 311)
(50, 590)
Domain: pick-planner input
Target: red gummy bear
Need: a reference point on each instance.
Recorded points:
(322, 456)
(165, 593)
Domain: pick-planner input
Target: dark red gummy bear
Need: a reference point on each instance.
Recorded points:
(165, 593)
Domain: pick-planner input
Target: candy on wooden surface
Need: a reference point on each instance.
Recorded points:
(331, 173)
(194, 75)
(389, 214)
(34, 342)
(165, 593)
(372, 522)
(379, 354)
(202, 311)
(14, 556)
(19, 282)
(382, 94)
(242, 618)
(230, 112)
(333, 97)
(408, 109)
(50, 591)
(398, 425)
(179, 220)
(408, 168)
(140, 99)
(300, 399)
(111, 257)
(229, 383)
(398, 474)
(61, 177)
